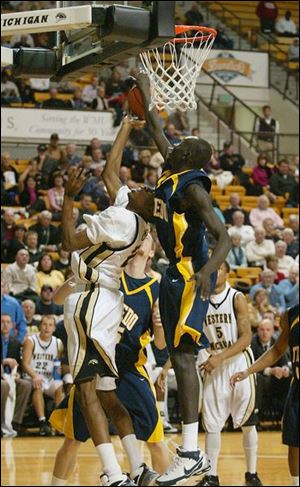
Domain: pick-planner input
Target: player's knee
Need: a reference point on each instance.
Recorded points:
(157, 448)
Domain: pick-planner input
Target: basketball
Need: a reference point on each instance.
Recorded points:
(135, 103)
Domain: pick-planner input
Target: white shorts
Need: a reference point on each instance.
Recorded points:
(220, 399)
(92, 319)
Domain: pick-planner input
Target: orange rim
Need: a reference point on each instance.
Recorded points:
(181, 29)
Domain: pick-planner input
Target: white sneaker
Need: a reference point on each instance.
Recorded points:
(168, 428)
(125, 481)
(185, 464)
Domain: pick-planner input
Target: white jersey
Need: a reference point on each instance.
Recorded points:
(220, 324)
(44, 354)
(116, 234)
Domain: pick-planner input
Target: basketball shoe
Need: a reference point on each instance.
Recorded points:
(209, 480)
(168, 428)
(185, 464)
(252, 479)
(146, 476)
(125, 481)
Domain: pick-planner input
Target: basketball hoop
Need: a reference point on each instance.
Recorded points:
(173, 71)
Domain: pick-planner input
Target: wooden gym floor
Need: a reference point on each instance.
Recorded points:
(29, 461)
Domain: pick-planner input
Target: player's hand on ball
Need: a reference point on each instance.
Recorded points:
(238, 377)
(77, 178)
(202, 281)
(134, 123)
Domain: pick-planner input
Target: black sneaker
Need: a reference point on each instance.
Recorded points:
(45, 429)
(252, 479)
(209, 480)
(146, 477)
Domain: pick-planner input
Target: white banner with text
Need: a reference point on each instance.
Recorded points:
(71, 126)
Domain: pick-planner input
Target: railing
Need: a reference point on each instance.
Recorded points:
(254, 37)
(227, 107)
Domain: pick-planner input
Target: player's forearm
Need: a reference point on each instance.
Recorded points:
(68, 230)
(266, 360)
(239, 346)
(114, 160)
(63, 291)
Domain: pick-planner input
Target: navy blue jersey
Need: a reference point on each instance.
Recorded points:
(181, 232)
(293, 320)
(136, 327)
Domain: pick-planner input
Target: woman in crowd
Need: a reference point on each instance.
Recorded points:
(47, 274)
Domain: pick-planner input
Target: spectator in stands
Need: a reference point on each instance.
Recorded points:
(31, 242)
(22, 40)
(293, 197)
(172, 134)
(267, 13)
(9, 174)
(231, 161)
(96, 189)
(259, 249)
(152, 178)
(194, 16)
(180, 120)
(45, 304)
(293, 223)
(285, 26)
(97, 158)
(94, 144)
(245, 231)
(272, 263)
(125, 177)
(293, 51)
(282, 183)
(26, 92)
(85, 207)
(266, 127)
(262, 211)
(235, 205)
(222, 41)
(89, 92)
(10, 306)
(21, 277)
(49, 236)
(276, 297)
(71, 157)
(56, 196)
(7, 232)
(216, 173)
(237, 255)
(262, 172)
(53, 101)
(42, 379)
(272, 382)
(17, 243)
(46, 274)
(272, 233)
(64, 261)
(258, 307)
(10, 360)
(28, 193)
(76, 102)
(9, 90)
(115, 89)
(46, 165)
(285, 262)
(100, 103)
(139, 170)
(290, 287)
(292, 243)
(29, 311)
(55, 151)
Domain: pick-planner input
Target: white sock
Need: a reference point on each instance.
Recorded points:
(295, 480)
(109, 461)
(190, 436)
(42, 418)
(133, 453)
(212, 448)
(57, 481)
(250, 447)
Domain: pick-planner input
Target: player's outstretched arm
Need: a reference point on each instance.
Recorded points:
(110, 174)
(152, 118)
(63, 291)
(198, 199)
(72, 240)
(270, 357)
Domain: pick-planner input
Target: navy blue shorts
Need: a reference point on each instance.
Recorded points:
(182, 310)
(290, 423)
(136, 392)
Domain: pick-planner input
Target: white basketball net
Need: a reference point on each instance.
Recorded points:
(173, 70)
